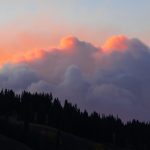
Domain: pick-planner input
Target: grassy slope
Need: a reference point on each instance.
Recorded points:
(10, 144)
(42, 137)
(66, 141)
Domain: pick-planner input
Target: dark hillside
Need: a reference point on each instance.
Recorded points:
(44, 110)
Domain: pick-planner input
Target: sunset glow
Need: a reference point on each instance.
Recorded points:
(94, 53)
(116, 43)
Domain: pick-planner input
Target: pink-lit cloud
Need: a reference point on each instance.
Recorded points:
(112, 78)
(116, 43)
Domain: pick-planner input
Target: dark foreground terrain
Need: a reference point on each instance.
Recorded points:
(10, 144)
(40, 137)
(42, 122)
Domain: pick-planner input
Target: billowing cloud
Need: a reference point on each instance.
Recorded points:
(111, 79)
(116, 43)
(17, 77)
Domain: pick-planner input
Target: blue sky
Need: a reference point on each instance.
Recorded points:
(98, 19)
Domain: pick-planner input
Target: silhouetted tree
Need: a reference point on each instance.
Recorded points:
(42, 108)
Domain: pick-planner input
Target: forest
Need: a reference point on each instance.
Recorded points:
(44, 109)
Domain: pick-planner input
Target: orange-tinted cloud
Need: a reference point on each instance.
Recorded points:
(32, 48)
(21, 57)
(68, 42)
(28, 56)
(116, 43)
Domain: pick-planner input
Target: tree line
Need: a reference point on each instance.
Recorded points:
(43, 108)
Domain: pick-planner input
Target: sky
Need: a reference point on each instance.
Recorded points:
(50, 20)
(93, 52)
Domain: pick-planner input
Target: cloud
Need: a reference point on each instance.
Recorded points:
(17, 77)
(40, 86)
(116, 43)
(111, 79)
